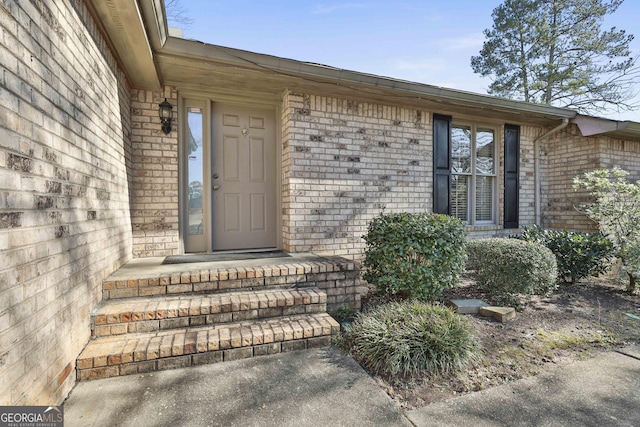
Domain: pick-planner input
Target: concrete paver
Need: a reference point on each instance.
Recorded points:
(467, 306)
(501, 314)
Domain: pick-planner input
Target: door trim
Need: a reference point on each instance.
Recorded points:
(183, 96)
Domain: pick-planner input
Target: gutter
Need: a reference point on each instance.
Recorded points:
(536, 165)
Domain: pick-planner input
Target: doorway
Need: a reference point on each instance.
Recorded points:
(230, 193)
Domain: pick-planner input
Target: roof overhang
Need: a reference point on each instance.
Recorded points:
(591, 126)
(195, 65)
(139, 36)
(123, 25)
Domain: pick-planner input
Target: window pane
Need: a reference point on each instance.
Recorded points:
(461, 149)
(195, 164)
(485, 151)
(459, 192)
(484, 198)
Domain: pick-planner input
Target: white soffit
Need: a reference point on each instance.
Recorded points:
(122, 21)
(593, 126)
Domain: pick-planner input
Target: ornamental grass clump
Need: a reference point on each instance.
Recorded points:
(406, 338)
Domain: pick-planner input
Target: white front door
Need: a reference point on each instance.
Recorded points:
(243, 178)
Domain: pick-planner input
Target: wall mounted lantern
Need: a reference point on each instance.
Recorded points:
(166, 114)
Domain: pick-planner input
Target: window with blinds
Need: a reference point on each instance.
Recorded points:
(473, 173)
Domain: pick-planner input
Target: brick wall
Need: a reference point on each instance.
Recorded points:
(622, 154)
(64, 200)
(154, 193)
(569, 154)
(565, 155)
(527, 175)
(345, 160)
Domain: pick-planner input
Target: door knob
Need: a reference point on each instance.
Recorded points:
(216, 187)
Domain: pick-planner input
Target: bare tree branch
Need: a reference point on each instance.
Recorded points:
(177, 14)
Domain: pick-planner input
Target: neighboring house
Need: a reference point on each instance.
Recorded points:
(264, 152)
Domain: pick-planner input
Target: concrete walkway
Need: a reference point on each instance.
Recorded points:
(602, 391)
(318, 387)
(322, 387)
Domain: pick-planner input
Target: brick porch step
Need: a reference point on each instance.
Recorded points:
(338, 277)
(146, 352)
(133, 315)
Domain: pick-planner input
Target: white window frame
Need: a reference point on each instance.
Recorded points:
(471, 188)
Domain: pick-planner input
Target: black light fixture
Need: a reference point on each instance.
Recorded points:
(166, 114)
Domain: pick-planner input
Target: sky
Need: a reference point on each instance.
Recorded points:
(425, 41)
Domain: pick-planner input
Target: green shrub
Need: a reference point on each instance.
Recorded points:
(578, 254)
(616, 209)
(409, 337)
(506, 268)
(631, 266)
(419, 254)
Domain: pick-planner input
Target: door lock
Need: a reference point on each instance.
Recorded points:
(215, 176)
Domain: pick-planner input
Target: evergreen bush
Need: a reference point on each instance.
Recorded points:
(416, 254)
(578, 254)
(508, 268)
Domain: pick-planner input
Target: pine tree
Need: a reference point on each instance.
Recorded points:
(555, 52)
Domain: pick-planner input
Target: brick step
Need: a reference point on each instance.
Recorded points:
(147, 352)
(134, 315)
(338, 277)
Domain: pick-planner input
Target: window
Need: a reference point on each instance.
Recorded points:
(194, 170)
(465, 176)
(473, 173)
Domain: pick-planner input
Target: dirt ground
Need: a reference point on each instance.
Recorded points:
(574, 323)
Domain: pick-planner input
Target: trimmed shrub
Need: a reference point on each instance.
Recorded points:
(409, 337)
(417, 254)
(507, 268)
(578, 254)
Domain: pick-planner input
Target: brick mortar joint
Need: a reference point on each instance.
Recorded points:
(336, 268)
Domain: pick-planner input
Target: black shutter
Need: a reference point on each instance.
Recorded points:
(442, 164)
(511, 175)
